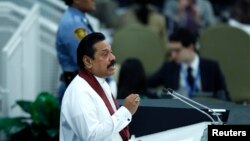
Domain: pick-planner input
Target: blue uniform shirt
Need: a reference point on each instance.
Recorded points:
(72, 28)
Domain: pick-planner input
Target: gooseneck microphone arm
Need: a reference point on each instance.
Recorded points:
(188, 101)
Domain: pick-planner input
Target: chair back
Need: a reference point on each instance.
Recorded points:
(231, 47)
(138, 41)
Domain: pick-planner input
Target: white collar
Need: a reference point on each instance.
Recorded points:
(194, 64)
(100, 80)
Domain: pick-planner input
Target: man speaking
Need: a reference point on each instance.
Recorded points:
(89, 112)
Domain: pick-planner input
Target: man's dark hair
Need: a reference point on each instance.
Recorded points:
(86, 47)
(185, 36)
(68, 2)
(241, 11)
(132, 78)
(142, 11)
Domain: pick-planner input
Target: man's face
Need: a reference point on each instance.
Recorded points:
(178, 52)
(175, 49)
(102, 65)
(86, 5)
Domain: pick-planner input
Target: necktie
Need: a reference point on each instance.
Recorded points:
(190, 80)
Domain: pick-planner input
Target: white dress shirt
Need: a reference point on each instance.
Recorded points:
(183, 76)
(106, 87)
(241, 26)
(85, 117)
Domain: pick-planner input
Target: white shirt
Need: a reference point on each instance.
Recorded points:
(195, 72)
(244, 27)
(85, 117)
(106, 87)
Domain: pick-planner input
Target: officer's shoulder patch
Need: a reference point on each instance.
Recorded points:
(80, 33)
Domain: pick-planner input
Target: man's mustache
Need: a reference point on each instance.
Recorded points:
(112, 63)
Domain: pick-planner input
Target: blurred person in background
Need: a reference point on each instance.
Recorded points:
(192, 14)
(222, 9)
(146, 14)
(240, 15)
(132, 79)
(187, 72)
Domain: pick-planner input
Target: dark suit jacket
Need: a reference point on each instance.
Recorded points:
(212, 79)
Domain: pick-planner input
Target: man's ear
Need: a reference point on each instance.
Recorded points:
(87, 61)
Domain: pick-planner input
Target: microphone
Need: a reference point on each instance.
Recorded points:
(189, 102)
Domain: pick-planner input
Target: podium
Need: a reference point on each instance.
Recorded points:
(192, 132)
(159, 115)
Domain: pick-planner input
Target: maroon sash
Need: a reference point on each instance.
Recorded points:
(97, 87)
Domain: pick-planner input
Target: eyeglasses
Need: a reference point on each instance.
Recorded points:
(176, 50)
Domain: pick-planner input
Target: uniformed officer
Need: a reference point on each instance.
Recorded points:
(72, 28)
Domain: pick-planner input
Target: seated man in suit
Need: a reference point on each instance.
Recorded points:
(188, 73)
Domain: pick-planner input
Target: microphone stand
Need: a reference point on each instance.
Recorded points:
(188, 101)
